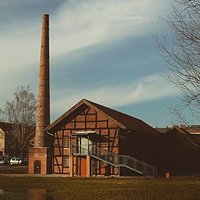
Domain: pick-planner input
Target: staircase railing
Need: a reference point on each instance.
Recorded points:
(137, 165)
(116, 160)
(103, 154)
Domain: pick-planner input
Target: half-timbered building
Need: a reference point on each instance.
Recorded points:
(93, 140)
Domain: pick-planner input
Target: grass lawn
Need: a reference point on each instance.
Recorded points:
(61, 188)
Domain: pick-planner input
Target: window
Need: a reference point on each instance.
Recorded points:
(65, 161)
(66, 142)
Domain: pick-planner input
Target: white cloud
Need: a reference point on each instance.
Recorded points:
(81, 23)
(148, 88)
(75, 25)
(19, 48)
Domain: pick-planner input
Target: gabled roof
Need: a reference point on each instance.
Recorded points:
(177, 130)
(192, 140)
(124, 121)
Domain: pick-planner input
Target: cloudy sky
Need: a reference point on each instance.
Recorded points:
(101, 50)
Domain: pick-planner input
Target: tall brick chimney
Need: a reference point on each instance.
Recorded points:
(43, 103)
(39, 155)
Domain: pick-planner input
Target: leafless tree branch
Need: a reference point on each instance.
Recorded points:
(180, 47)
(20, 112)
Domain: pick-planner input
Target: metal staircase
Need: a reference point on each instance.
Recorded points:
(117, 161)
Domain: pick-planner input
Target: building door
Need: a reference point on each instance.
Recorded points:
(37, 167)
(81, 165)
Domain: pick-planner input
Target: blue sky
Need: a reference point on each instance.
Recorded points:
(101, 50)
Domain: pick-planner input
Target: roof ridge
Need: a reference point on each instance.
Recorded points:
(113, 109)
(126, 120)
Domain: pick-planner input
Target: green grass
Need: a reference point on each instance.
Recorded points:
(61, 188)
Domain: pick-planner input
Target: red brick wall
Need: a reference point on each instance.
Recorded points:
(41, 154)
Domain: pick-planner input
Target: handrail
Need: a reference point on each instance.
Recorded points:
(103, 153)
(138, 165)
(116, 160)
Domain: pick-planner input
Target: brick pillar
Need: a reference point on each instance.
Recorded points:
(71, 165)
(88, 166)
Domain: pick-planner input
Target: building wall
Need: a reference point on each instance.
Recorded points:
(85, 119)
(181, 156)
(2, 142)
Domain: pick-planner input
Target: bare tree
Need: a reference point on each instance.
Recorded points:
(20, 112)
(180, 47)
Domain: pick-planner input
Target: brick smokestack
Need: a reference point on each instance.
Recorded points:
(43, 103)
